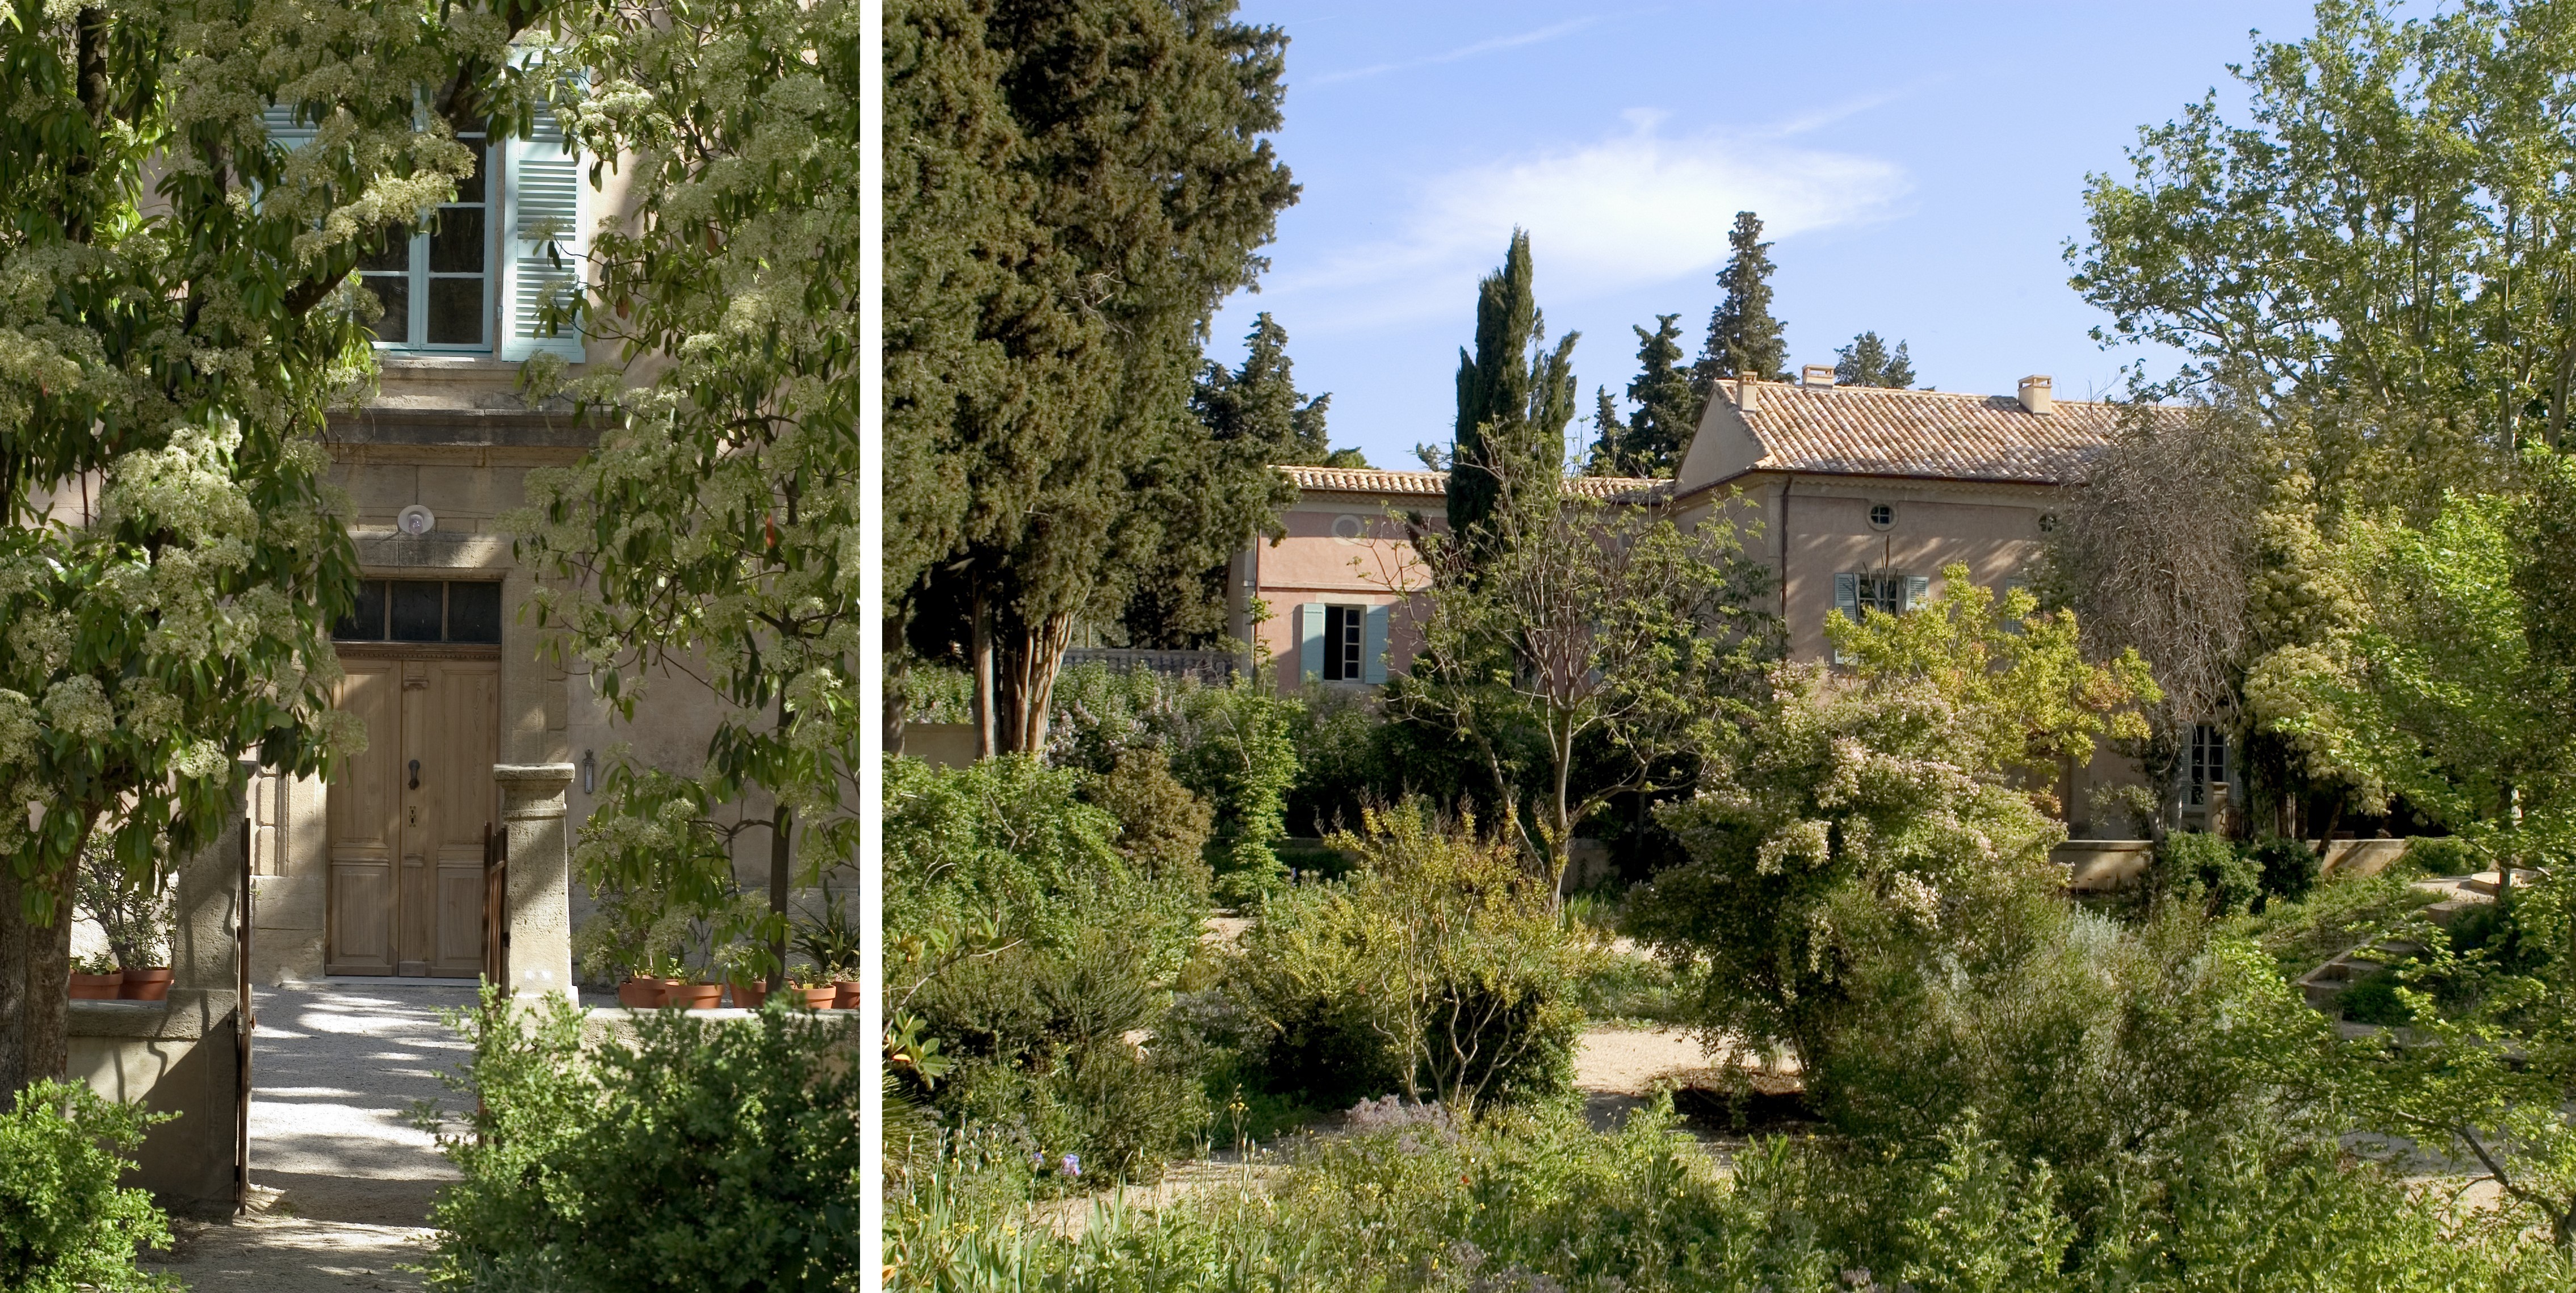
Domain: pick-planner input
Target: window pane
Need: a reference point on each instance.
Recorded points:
(416, 609)
(395, 291)
(394, 255)
(474, 612)
(366, 621)
(456, 245)
(455, 311)
(470, 189)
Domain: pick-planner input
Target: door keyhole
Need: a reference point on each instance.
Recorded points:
(415, 774)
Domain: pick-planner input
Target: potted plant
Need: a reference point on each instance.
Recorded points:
(632, 939)
(134, 913)
(831, 940)
(744, 964)
(805, 988)
(95, 977)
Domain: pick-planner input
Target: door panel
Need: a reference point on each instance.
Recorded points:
(458, 799)
(407, 817)
(364, 834)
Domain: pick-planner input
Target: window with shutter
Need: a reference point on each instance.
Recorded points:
(546, 221)
(435, 282)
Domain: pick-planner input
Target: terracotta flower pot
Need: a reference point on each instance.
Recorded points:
(695, 996)
(640, 994)
(814, 998)
(145, 985)
(750, 995)
(846, 995)
(96, 987)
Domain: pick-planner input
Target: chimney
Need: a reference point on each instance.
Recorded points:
(2034, 395)
(1816, 375)
(1746, 399)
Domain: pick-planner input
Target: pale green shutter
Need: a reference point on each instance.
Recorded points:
(1310, 642)
(1846, 600)
(1373, 644)
(545, 203)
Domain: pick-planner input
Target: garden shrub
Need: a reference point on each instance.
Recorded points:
(1045, 1041)
(65, 1224)
(1437, 968)
(2204, 871)
(2285, 868)
(1229, 744)
(2373, 1000)
(1161, 825)
(1010, 843)
(700, 1155)
(2442, 855)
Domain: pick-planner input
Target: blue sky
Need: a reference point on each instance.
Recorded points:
(1920, 168)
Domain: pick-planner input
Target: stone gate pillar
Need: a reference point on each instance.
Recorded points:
(539, 924)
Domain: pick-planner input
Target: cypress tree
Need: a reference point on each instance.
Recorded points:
(1867, 362)
(1741, 330)
(1515, 397)
(1651, 441)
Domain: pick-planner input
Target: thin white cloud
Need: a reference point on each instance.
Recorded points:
(1463, 51)
(1633, 209)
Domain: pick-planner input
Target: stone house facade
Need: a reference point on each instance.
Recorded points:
(1857, 497)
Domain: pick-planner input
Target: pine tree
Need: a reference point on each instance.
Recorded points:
(1652, 440)
(1741, 330)
(1866, 362)
(1212, 490)
(1515, 397)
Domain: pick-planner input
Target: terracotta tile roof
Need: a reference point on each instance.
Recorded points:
(1874, 431)
(1355, 481)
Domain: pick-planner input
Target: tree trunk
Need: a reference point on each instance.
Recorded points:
(986, 746)
(13, 983)
(782, 840)
(896, 707)
(49, 988)
(1034, 657)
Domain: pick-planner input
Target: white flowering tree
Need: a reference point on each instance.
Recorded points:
(176, 313)
(714, 533)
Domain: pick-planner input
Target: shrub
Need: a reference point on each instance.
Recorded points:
(700, 1155)
(2442, 855)
(64, 1223)
(2374, 1000)
(2285, 868)
(1043, 1041)
(2204, 871)
(1439, 968)
(1162, 827)
(1009, 843)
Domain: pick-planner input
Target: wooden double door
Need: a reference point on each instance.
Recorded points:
(407, 817)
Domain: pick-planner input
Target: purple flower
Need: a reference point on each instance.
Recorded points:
(1073, 1165)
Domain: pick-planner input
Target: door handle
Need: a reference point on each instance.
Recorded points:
(415, 774)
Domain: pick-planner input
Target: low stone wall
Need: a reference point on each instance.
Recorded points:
(2360, 857)
(2103, 866)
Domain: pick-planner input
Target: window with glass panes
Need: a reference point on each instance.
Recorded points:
(2208, 761)
(436, 282)
(423, 610)
(1343, 626)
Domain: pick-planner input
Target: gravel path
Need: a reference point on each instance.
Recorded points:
(343, 1181)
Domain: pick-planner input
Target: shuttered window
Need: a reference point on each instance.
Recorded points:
(547, 222)
(435, 281)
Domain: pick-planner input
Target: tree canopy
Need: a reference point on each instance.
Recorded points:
(1651, 440)
(1515, 397)
(1077, 188)
(1743, 339)
(1868, 362)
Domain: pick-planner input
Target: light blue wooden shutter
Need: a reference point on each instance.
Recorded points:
(1373, 644)
(1310, 642)
(546, 202)
(1918, 589)
(1846, 600)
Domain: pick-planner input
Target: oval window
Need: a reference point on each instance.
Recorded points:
(1348, 528)
(1881, 516)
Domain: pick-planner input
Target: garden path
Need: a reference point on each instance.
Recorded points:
(343, 1181)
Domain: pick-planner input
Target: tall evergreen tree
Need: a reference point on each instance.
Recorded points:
(1140, 166)
(1651, 441)
(1515, 397)
(1867, 362)
(1741, 330)
(1212, 491)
